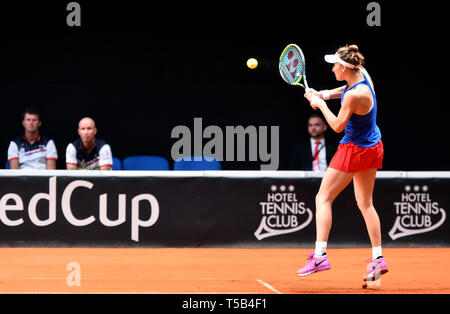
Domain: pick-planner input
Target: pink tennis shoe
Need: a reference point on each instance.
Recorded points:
(314, 265)
(375, 268)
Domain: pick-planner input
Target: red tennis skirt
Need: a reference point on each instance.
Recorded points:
(353, 158)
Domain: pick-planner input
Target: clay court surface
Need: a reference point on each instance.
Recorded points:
(221, 271)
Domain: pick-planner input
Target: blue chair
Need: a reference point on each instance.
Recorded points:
(7, 165)
(145, 163)
(117, 164)
(197, 164)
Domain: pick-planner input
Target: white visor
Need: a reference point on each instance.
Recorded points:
(335, 58)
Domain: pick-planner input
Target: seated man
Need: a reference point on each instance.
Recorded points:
(32, 150)
(315, 153)
(88, 152)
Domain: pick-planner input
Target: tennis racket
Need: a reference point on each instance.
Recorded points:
(292, 66)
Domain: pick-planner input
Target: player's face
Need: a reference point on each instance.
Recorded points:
(338, 71)
(316, 127)
(87, 131)
(31, 123)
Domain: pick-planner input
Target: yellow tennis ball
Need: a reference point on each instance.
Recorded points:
(252, 63)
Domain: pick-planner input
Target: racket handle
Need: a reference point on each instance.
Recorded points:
(306, 82)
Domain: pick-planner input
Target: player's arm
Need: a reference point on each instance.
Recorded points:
(51, 164)
(71, 167)
(336, 93)
(13, 156)
(71, 158)
(105, 155)
(52, 155)
(337, 123)
(328, 94)
(14, 163)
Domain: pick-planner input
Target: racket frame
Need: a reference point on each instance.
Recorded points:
(296, 83)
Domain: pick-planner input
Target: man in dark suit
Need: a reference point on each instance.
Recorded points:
(316, 153)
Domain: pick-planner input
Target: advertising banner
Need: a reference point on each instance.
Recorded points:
(208, 211)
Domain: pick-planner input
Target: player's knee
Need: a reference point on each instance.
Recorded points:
(322, 199)
(364, 205)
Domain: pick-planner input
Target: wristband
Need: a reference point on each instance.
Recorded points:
(325, 94)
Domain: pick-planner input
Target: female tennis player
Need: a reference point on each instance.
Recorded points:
(359, 155)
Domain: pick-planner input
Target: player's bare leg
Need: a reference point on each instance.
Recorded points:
(333, 182)
(364, 183)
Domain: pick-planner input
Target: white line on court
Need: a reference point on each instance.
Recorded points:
(265, 284)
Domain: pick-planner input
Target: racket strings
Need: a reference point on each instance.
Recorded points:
(292, 66)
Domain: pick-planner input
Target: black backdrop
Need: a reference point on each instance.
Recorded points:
(119, 68)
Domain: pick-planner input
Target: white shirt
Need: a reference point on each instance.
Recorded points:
(322, 154)
(32, 156)
(94, 160)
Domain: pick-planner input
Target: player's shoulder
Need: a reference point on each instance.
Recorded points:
(100, 143)
(17, 140)
(359, 93)
(354, 98)
(75, 145)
